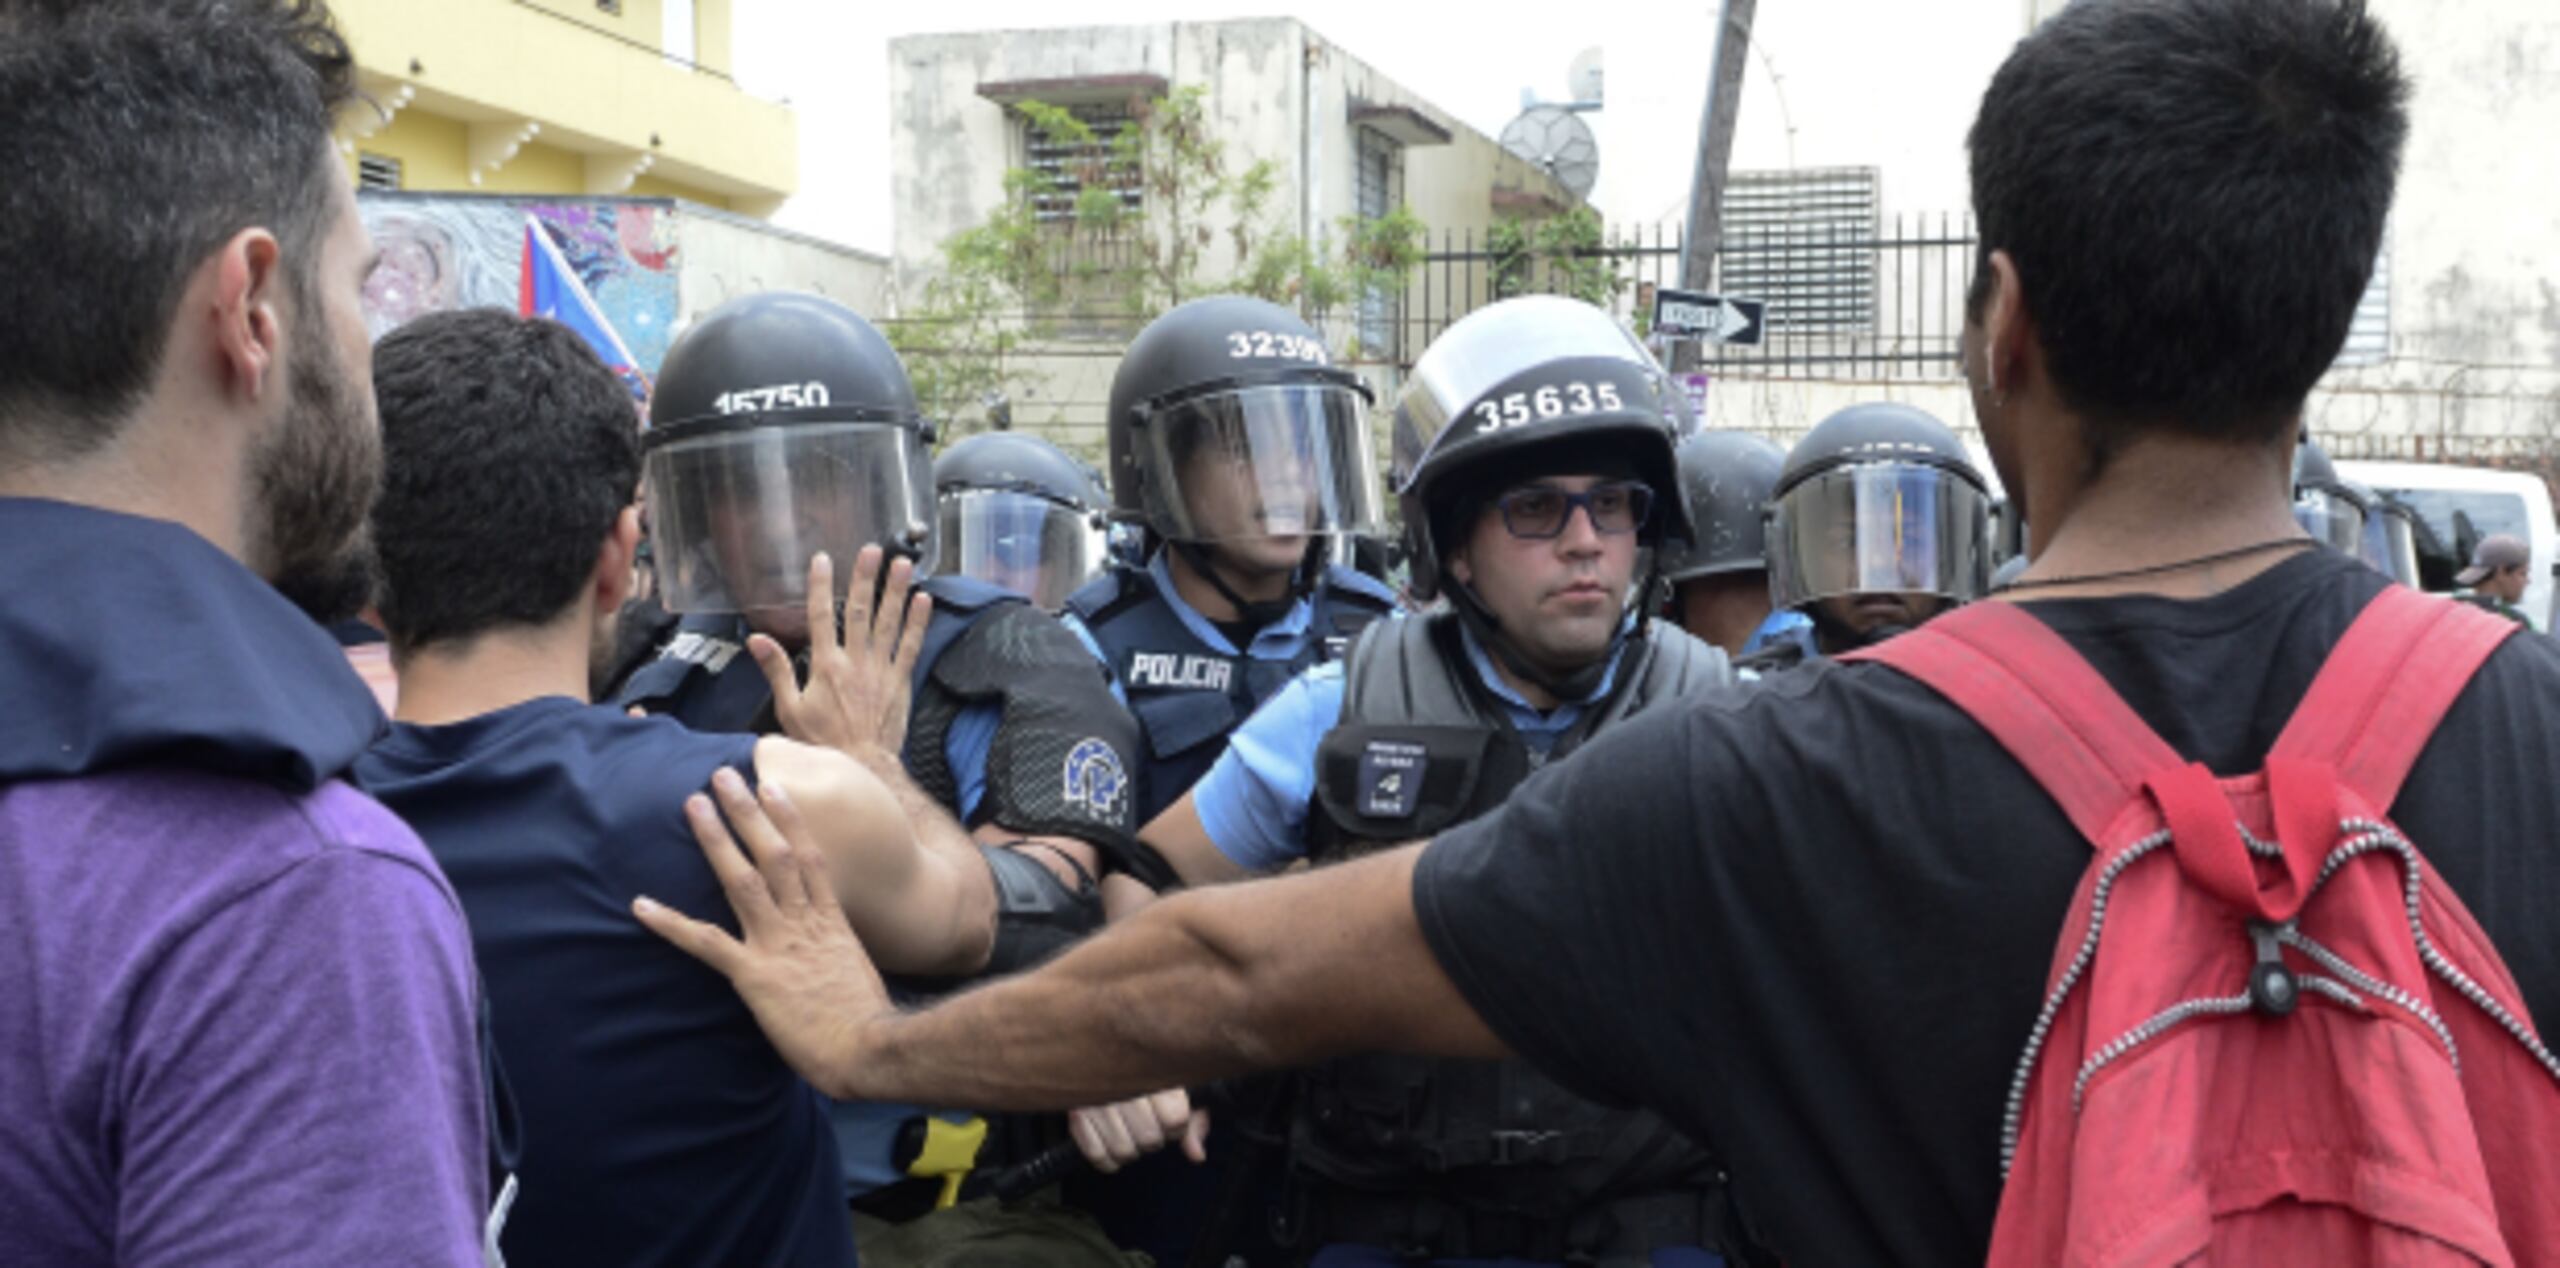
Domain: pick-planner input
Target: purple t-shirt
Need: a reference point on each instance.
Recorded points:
(241, 1030)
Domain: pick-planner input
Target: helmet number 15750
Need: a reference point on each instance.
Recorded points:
(1555, 400)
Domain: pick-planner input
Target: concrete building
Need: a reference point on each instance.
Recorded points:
(562, 98)
(1343, 140)
(2456, 352)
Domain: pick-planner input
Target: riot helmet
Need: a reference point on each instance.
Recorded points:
(1878, 501)
(1526, 387)
(1018, 512)
(2322, 503)
(2390, 542)
(1726, 478)
(782, 425)
(1230, 422)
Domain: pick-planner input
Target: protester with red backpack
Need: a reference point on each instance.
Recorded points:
(2193, 900)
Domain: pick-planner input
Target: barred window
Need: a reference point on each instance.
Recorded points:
(1805, 241)
(1072, 165)
(1377, 182)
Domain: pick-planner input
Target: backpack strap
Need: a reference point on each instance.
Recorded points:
(2379, 697)
(2021, 682)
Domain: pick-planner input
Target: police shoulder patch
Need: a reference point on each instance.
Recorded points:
(1094, 780)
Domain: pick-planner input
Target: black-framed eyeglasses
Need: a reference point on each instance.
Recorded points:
(1537, 512)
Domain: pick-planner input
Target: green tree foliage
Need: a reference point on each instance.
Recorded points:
(1560, 254)
(1022, 278)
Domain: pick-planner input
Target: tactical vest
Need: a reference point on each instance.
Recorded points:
(1477, 1158)
(1188, 695)
(703, 677)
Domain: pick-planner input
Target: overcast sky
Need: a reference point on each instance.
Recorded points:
(1885, 83)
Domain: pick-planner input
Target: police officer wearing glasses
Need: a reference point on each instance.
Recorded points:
(1535, 441)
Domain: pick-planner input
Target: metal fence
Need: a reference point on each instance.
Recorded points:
(1844, 303)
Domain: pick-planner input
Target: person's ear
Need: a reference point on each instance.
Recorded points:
(617, 574)
(247, 330)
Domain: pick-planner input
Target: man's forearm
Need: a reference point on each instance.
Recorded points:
(1200, 986)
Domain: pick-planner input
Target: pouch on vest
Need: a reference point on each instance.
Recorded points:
(2271, 1033)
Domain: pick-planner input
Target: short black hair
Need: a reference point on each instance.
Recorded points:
(2193, 192)
(508, 450)
(136, 137)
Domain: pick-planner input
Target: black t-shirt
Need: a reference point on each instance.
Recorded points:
(660, 1126)
(1823, 949)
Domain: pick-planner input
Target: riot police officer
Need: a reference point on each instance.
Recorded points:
(1536, 438)
(1240, 447)
(1720, 586)
(2326, 506)
(1880, 521)
(1241, 456)
(1015, 511)
(783, 425)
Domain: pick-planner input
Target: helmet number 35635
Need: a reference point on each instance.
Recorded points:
(1555, 400)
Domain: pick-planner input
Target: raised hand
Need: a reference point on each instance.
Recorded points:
(860, 674)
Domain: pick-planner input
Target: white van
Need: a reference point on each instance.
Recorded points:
(2461, 505)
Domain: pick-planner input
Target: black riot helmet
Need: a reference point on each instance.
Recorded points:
(1019, 512)
(2325, 505)
(1249, 385)
(1879, 499)
(782, 425)
(1726, 480)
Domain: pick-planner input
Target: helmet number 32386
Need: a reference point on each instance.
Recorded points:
(1555, 400)
(1265, 344)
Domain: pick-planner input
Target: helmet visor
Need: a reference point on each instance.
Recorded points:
(2391, 546)
(1029, 545)
(2330, 517)
(1879, 528)
(1281, 460)
(737, 514)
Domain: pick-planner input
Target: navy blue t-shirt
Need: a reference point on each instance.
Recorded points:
(659, 1125)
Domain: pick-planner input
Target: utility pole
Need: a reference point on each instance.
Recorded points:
(1728, 54)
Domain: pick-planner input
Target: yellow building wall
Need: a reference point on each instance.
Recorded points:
(499, 62)
(711, 44)
(652, 187)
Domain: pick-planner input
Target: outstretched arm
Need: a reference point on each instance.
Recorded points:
(1200, 986)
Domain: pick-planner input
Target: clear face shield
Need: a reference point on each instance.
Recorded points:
(1274, 461)
(1028, 544)
(1879, 528)
(2391, 545)
(737, 513)
(2331, 517)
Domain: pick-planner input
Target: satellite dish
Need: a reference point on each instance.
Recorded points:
(1559, 143)
(1583, 80)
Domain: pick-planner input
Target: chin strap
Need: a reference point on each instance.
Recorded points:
(1264, 612)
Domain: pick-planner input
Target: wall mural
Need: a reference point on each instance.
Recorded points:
(464, 252)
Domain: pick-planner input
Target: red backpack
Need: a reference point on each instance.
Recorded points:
(2271, 1034)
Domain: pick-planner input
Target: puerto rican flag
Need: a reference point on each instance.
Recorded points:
(550, 288)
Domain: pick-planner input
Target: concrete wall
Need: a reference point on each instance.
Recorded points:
(2475, 240)
(2474, 256)
(1276, 92)
(726, 256)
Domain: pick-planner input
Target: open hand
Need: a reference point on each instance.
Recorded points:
(860, 676)
(799, 966)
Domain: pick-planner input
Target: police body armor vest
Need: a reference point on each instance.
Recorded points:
(1188, 695)
(1424, 745)
(1057, 765)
